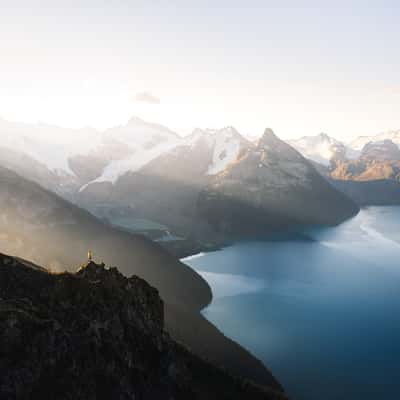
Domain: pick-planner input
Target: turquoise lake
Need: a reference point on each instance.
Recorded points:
(322, 314)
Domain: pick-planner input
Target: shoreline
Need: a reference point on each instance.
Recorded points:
(199, 251)
(254, 360)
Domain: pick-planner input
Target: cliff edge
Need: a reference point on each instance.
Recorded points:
(96, 334)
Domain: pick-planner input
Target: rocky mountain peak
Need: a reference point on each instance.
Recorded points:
(325, 136)
(277, 148)
(269, 137)
(269, 141)
(94, 272)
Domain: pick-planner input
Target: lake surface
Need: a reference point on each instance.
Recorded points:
(323, 315)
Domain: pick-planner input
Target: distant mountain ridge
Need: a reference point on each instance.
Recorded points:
(144, 170)
(83, 155)
(323, 148)
(361, 141)
(87, 155)
(367, 169)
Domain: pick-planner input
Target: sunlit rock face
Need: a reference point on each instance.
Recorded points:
(378, 161)
(97, 335)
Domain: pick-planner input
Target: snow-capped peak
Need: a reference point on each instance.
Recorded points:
(320, 148)
(123, 148)
(224, 144)
(359, 143)
(145, 141)
(226, 149)
(48, 144)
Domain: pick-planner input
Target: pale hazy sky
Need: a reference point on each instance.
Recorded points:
(300, 67)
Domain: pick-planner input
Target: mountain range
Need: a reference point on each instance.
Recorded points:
(212, 186)
(69, 161)
(323, 148)
(209, 187)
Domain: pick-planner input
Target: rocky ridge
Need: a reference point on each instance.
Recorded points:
(96, 334)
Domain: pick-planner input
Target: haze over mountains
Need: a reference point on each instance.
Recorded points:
(212, 186)
(323, 148)
(88, 156)
(194, 185)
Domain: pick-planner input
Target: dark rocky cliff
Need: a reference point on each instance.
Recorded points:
(96, 334)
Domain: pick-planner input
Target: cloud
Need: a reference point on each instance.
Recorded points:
(147, 97)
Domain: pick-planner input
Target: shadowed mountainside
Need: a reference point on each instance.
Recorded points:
(378, 192)
(40, 226)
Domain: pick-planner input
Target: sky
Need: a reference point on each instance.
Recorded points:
(299, 67)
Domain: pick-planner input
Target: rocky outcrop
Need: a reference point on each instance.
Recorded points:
(96, 334)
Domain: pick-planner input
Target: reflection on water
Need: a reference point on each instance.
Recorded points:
(224, 285)
(324, 315)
